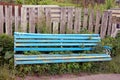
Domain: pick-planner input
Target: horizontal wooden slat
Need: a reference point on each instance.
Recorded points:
(51, 49)
(38, 34)
(78, 41)
(55, 37)
(58, 55)
(56, 44)
(61, 61)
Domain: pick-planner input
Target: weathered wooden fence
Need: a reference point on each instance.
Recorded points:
(44, 19)
(115, 21)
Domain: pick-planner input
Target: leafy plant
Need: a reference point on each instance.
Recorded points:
(6, 48)
(6, 42)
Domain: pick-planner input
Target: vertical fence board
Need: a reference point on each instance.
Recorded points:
(23, 19)
(104, 24)
(1, 19)
(70, 21)
(109, 23)
(113, 31)
(16, 19)
(97, 23)
(8, 20)
(48, 19)
(77, 22)
(63, 20)
(32, 20)
(91, 21)
(40, 19)
(55, 27)
(85, 21)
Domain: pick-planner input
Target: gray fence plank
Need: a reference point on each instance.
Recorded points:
(32, 20)
(8, 19)
(97, 22)
(23, 19)
(1, 19)
(85, 21)
(63, 20)
(104, 24)
(70, 21)
(55, 27)
(11, 20)
(113, 31)
(40, 19)
(109, 23)
(77, 22)
(91, 21)
(16, 19)
(48, 19)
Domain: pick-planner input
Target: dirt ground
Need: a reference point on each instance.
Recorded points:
(75, 77)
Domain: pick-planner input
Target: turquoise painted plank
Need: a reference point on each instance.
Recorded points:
(51, 49)
(55, 37)
(18, 33)
(59, 57)
(53, 55)
(81, 41)
(49, 36)
(56, 44)
(108, 47)
(76, 35)
(60, 61)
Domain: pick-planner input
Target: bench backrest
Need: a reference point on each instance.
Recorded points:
(54, 42)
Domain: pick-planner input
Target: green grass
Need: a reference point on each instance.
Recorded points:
(6, 73)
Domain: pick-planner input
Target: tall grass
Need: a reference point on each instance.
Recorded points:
(6, 73)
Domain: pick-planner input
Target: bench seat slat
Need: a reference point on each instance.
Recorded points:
(56, 44)
(59, 55)
(63, 57)
(61, 61)
(51, 49)
(37, 34)
(58, 35)
(55, 37)
(81, 41)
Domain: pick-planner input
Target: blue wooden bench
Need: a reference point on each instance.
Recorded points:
(57, 42)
